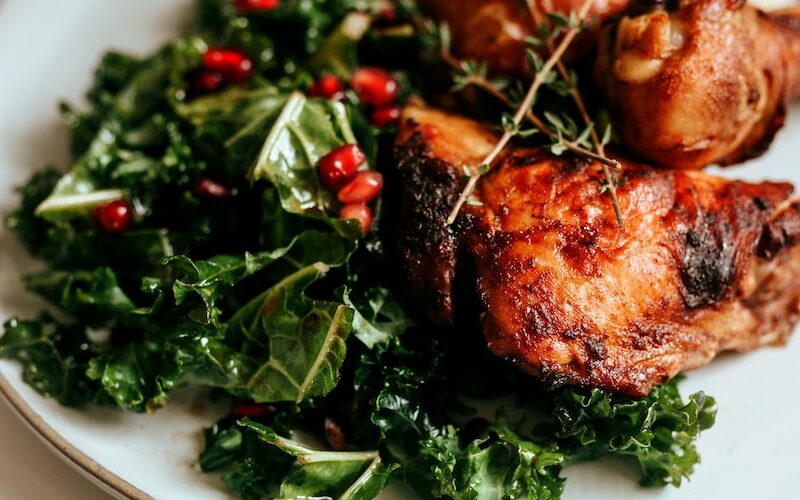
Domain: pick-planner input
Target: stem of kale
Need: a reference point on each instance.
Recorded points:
(522, 111)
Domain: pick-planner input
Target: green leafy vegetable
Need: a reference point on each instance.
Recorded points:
(306, 338)
(415, 421)
(116, 151)
(658, 431)
(346, 475)
(339, 53)
(249, 466)
(378, 317)
(500, 464)
(260, 363)
(205, 277)
(238, 120)
(34, 232)
(94, 298)
(127, 376)
(305, 131)
(55, 358)
(254, 289)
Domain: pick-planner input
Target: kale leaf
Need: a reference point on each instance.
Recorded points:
(500, 464)
(346, 475)
(305, 339)
(250, 467)
(306, 130)
(256, 293)
(94, 298)
(205, 278)
(378, 316)
(414, 409)
(54, 356)
(659, 431)
(121, 157)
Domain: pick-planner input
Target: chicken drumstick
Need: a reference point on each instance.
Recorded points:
(696, 82)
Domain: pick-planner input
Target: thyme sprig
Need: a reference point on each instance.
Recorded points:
(611, 180)
(474, 74)
(512, 126)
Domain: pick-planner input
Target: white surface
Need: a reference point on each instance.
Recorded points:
(25, 462)
(48, 50)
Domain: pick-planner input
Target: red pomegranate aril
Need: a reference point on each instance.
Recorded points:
(339, 166)
(114, 217)
(253, 410)
(206, 188)
(383, 117)
(234, 66)
(360, 212)
(206, 82)
(334, 435)
(249, 6)
(375, 86)
(388, 15)
(327, 87)
(364, 188)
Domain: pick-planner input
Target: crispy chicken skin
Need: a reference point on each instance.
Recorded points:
(495, 30)
(703, 264)
(699, 82)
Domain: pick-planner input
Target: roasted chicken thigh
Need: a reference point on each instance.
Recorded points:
(494, 31)
(688, 83)
(698, 82)
(702, 265)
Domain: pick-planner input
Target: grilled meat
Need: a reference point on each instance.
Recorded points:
(495, 30)
(703, 264)
(701, 82)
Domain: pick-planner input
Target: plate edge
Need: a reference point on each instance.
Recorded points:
(91, 469)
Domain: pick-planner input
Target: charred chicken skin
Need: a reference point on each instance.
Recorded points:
(494, 31)
(699, 82)
(703, 264)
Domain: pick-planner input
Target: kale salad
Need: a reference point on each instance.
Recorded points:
(223, 225)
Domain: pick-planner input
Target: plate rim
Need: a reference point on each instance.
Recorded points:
(78, 460)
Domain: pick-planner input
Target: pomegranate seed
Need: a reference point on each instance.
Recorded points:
(364, 187)
(375, 86)
(334, 435)
(206, 188)
(359, 212)
(234, 66)
(388, 15)
(114, 217)
(339, 166)
(206, 82)
(248, 6)
(383, 117)
(327, 87)
(253, 410)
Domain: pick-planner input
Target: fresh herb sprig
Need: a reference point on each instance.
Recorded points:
(611, 181)
(560, 130)
(284, 308)
(470, 73)
(512, 127)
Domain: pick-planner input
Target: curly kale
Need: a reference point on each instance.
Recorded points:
(659, 431)
(268, 297)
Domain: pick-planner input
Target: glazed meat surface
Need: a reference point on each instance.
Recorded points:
(701, 82)
(495, 30)
(703, 264)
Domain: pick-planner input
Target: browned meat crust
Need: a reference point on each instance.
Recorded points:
(495, 30)
(703, 82)
(703, 265)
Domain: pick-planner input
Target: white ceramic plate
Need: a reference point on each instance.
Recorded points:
(48, 50)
